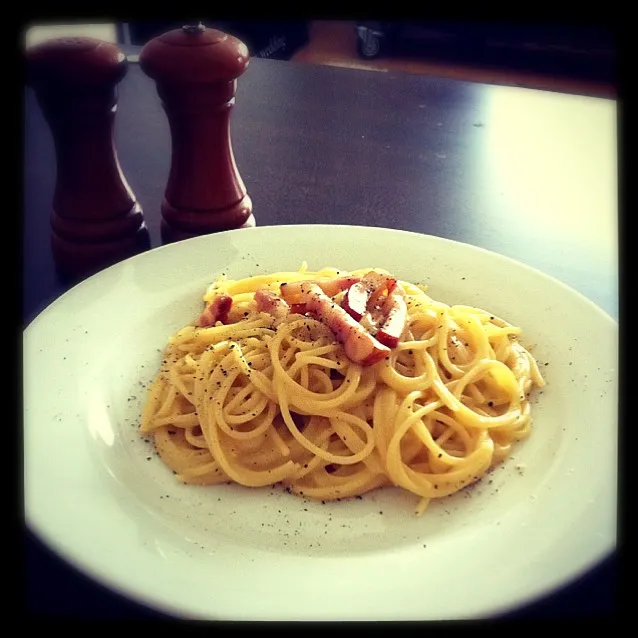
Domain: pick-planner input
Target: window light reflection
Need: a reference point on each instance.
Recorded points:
(99, 421)
(562, 151)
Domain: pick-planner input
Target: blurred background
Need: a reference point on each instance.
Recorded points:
(570, 58)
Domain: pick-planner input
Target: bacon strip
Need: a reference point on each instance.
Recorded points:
(298, 308)
(364, 294)
(396, 313)
(268, 301)
(292, 291)
(359, 345)
(216, 310)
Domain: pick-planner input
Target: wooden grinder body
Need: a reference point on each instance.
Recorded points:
(96, 219)
(196, 70)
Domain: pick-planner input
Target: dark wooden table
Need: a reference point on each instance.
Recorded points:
(529, 174)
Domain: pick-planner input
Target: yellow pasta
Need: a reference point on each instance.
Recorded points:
(258, 402)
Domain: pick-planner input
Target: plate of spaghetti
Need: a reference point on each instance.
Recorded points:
(323, 423)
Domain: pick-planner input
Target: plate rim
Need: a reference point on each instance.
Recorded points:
(275, 227)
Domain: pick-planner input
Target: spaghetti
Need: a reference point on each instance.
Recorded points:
(274, 384)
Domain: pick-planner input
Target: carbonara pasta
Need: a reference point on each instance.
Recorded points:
(336, 383)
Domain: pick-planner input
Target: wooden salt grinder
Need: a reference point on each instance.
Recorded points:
(96, 220)
(196, 69)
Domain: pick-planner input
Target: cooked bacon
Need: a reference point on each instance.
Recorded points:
(387, 320)
(379, 285)
(331, 286)
(216, 310)
(359, 345)
(365, 294)
(396, 314)
(268, 301)
(298, 308)
(372, 320)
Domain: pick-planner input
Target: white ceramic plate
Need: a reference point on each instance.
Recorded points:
(96, 493)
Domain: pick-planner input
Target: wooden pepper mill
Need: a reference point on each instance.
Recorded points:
(96, 220)
(196, 69)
